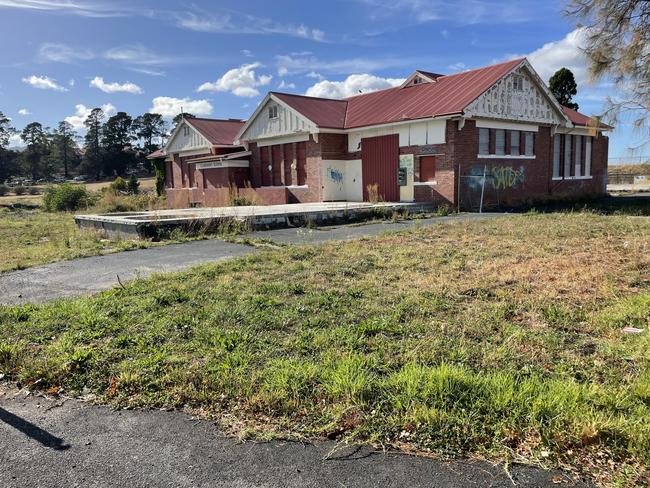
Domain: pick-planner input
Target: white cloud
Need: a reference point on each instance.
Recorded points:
(71, 83)
(352, 85)
(241, 82)
(313, 74)
(246, 52)
(77, 7)
(16, 142)
(170, 107)
(82, 112)
(473, 11)
(126, 87)
(24, 111)
(61, 53)
(148, 71)
(303, 63)
(565, 53)
(286, 86)
(231, 22)
(44, 83)
(457, 67)
(136, 54)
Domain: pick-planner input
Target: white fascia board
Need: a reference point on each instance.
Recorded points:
(286, 139)
(578, 131)
(222, 164)
(497, 124)
(388, 124)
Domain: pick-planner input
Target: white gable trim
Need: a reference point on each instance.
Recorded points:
(176, 131)
(538, 84)
(270, 96)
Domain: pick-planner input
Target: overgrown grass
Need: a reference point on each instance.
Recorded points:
(497, 338)
(30, 238)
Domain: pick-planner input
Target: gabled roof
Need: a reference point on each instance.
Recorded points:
(446, 96)
(218, 132)
(441, 95)
(582, 120)
(324, 112)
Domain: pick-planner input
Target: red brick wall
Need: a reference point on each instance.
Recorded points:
(513, 181)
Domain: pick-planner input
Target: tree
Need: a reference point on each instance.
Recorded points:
(93, 154)
(616, 40)
(8, 159)
(150, 129)
(563, 86)
(6, 131)
(180, 117)
(65, 146)
(116, 141)
(36, 140)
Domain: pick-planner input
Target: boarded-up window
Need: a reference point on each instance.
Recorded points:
(514, 142)
(567, 156)
(427, 168)
(530, 143)
(277, 164)
(301, 161)
(266, 161)
(500, 142)
(556, 156)
(484, 141)
(588, 156)
(578, 142)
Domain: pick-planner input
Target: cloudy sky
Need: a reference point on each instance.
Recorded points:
(60, 58)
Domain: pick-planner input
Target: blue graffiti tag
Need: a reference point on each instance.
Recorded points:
(335, 175)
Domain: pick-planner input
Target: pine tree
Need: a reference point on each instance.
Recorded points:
(563, 86)
(93, 154)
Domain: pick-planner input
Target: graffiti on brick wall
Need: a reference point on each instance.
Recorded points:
(497, 177)
(335, 175)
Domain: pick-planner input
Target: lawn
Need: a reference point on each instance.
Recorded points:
(500, 339)
(32, 237)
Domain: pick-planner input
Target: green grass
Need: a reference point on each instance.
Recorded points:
(32, 237)
(499, 339)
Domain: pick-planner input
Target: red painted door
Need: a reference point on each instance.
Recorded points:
(379, 166)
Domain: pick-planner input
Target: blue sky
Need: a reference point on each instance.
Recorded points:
(219, 58)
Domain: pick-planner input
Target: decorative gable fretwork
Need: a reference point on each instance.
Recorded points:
(516, 97)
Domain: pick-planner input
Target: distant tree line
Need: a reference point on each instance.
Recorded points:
(112, 146)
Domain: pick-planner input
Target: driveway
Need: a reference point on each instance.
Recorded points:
(93, 274)
(54, 443)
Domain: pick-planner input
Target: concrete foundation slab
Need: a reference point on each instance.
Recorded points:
(159, 222)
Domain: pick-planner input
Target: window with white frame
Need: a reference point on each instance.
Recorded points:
(484, 141)
(500, 142)
(588, 155)
(273, 112)
(556, 156)
(578, 152)
(186, 131)
(517, 83)
(567, 156)
(529, 142)
(515, 139)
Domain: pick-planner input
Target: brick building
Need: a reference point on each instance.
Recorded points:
(495, 131)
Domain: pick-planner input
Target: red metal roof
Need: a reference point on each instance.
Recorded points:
(324, 112)
(580, 119)
(447, 95)
(160, 153)
(217, 132)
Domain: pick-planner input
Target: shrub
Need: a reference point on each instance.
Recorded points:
(133, 185)
(65, 197)
(20, 190)
(4, 189)
(33, 190)
(111, 202)
(119, 185)
(159, 166)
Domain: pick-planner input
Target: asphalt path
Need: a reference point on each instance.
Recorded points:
(90, 275)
